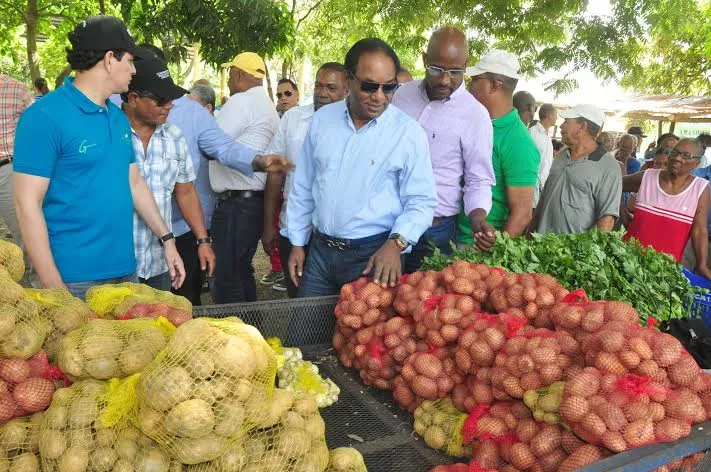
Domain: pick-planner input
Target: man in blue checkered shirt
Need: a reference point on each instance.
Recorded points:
(163, 159)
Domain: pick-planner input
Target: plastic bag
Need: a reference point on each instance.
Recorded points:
(62, 312)
(345, 459)
(104, 349)
(212, 384)
(88, 427)
(12, 260)
(19, 444)
(440, 424)
(129, 300)
(22, 331)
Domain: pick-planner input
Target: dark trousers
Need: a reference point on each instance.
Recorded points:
(284, 252)
(188, 250)
(158, 282)
(329, 268)
(236, 229)
(440, 235)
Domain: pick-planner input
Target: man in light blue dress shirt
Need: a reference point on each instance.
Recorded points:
(364, 182)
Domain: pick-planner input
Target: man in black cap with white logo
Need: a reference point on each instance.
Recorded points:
(76, 181)
(163, 159)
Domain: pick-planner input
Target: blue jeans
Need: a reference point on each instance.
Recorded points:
(158, 282)
(440, 236)
(79, 289)
(236, 230)
(327, 268)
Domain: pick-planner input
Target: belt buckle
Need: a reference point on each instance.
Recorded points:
(340, 245)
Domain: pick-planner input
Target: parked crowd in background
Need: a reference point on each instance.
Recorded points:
(121, 175)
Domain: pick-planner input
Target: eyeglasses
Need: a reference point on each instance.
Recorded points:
(438, 72)
(288, 93)
(160, 102)
(372, 87)
(483, 77)
(687, 156)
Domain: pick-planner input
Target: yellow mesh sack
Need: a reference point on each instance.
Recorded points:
(440, 424)
(129, 300)
(302, 377)
(19, 444)
(87, 428)
(345, 459)
(295, 443)
(12, 259)
(104, 349)
(545, 402)
(60, 312)
(22, 331)
(212, 384)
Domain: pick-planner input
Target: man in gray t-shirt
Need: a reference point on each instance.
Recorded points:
(584, 186)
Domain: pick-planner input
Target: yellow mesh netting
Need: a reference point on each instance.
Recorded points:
(104, 349)
(212, 384)
(440, 424)
(545, 402)
(11, 258)
(19, 444)
(129, 300)
(60, 313)
(21, 329)
(345, 459)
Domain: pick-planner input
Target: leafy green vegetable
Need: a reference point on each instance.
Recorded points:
(607, 267)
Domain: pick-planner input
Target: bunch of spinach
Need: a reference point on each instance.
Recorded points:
(607, 267)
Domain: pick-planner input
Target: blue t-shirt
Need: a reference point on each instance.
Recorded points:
(85, 151)
(705, 173)
(633, 166)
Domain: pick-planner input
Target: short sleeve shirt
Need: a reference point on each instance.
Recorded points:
(580, 192)
(516, 160)
(85, 151)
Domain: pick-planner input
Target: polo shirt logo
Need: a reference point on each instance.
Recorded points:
(84, 146)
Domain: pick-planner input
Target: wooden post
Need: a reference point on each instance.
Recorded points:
(672, 125)
(659, 128)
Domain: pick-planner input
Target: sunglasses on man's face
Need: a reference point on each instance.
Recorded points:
(160, 102)
(288, 93)
(372, 87)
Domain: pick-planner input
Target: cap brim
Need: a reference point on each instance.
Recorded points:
(568, 114)
(473, 71)
(175, 92)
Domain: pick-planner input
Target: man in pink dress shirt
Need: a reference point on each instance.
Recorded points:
(460, 135)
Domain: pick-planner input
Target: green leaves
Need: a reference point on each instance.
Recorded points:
(601, 263)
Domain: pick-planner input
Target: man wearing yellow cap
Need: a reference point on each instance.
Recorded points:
(250, 118)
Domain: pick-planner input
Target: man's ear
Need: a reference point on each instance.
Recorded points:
(424, 58)
(211, 107)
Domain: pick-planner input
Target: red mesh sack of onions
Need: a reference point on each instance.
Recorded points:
(620, 350)
(475, 390)
(176, 316)
(484, 338)
(531, 293)
(531, 360)
(622, 413)
(686, 464)
(580, 317)
(27, 386)
(363, 303)
(415, 288)
(439, 320)
(497, 422)
(427, 375)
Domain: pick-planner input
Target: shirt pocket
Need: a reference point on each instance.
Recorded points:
(578, 193)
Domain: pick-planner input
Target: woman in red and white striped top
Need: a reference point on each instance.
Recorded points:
(672, 205)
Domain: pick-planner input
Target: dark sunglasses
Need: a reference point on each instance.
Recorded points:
(288, 93)
(160, 102)
(372, 87)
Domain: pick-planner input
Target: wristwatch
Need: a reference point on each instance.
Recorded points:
(165, 238)
(255, 167)
(401, 242)
(207, 240)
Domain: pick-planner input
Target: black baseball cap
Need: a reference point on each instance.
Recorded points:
(637, 131)
(102, 33)
(152, 75)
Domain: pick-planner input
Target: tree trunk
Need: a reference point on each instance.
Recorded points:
(31, 37)
(102, 7)
(59, 80)
(269, 82)
(285, 69)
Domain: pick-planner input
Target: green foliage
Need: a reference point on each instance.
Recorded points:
(602, 264)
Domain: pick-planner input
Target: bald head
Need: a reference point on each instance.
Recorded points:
(445, 61)
(525, 103)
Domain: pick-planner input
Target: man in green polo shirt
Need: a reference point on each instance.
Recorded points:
(515, 156)
(76, 180)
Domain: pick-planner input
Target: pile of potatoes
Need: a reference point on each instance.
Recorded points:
(437, 423)
(441, 319)
(19, 444)
(21, 329)
(104, 349)
(213, 383)
(12, 260)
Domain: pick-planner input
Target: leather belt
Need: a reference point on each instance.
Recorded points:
(242, 194)
(342, 244)
(6, 161)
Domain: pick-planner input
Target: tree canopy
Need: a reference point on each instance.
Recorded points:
(657, 46)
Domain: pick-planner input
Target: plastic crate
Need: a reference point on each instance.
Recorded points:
(700, 307)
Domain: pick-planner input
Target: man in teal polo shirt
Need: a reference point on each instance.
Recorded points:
(76, 181)
(515, 156)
